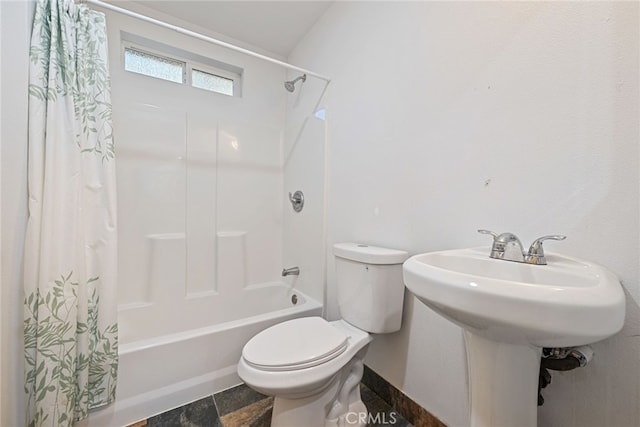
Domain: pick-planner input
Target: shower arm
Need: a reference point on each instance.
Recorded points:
(302, 77)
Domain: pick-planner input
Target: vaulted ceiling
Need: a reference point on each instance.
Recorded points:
(274, 26)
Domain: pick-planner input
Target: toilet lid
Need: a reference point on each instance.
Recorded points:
(295, 344)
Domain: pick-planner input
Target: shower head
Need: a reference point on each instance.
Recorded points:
(291, 85)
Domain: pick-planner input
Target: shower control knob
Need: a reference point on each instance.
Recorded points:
(297, 200)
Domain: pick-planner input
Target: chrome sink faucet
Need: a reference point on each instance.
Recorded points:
(507, 246)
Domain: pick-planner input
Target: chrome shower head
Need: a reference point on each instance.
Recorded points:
(291, 85)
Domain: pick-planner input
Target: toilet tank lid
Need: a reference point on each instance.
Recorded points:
(369, 254)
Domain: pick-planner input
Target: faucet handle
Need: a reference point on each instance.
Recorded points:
(493, 233)
(496, 249)
(536, 252)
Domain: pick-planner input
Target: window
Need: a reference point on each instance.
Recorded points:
(212, 82)
(154, 66)
(175, 65)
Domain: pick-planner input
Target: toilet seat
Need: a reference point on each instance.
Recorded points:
(295, 344)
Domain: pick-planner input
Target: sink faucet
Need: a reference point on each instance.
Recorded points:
(508, 247)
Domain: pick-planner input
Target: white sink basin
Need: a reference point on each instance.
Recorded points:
(509, 311)
(565, 303)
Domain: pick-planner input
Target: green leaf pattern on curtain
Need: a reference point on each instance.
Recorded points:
(70, 327)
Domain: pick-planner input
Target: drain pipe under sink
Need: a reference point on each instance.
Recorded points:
(561, 359)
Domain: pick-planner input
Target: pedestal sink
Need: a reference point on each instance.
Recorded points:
(509, 311)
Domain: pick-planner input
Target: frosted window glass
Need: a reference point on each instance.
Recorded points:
(211, 82)
(154, 66)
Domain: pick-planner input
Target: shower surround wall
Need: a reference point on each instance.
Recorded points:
(200, 190)
(202, 180)
(447, 117)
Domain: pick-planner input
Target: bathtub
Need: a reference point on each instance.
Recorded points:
(168, 371)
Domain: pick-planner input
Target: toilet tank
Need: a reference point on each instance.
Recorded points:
(370, 287)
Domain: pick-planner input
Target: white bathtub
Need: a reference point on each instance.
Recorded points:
(167, 371)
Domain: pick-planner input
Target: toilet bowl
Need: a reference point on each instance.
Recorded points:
(313, 367)
(305, 386)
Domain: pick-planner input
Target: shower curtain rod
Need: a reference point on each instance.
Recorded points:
(199, 36)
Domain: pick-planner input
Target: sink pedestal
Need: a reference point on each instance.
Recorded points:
(503, 381)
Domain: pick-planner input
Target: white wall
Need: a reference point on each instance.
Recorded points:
(15, 32)
(447, 117)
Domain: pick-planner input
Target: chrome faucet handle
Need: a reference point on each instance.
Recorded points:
(495, 252)
(536, 251)
(493, 233)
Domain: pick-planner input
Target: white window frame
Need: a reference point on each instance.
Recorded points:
(189, 66)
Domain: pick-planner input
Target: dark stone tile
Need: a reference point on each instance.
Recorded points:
(257, 414)
(377, 384)
(201, 413)
(388, 419)
(380, 413)
(410, 410)
(235, 398)
(241, 406)
(413, 412)
(166, 419)
(264, 420)
(372, 401)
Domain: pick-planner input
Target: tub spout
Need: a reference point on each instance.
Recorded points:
(293, 271)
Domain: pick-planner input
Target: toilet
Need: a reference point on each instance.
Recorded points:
(313, 367)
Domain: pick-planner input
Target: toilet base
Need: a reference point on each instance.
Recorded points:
(356, 416)
(336, 405)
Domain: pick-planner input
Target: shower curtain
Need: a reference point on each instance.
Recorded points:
(70, 328)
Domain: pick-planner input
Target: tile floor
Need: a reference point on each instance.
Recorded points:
(241, 406)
